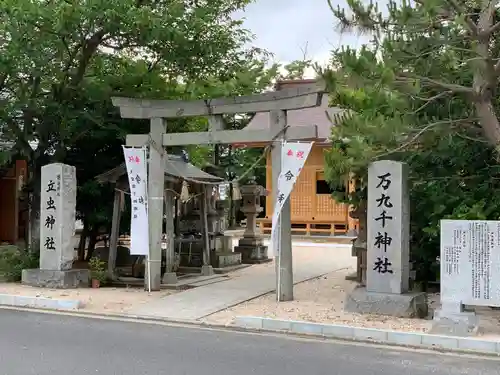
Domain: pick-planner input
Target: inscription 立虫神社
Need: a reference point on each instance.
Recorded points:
(388, 228)
(50, 215)
(57, 231)
(57, 216)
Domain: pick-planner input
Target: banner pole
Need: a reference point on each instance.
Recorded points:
(279, 229)
(148, 264)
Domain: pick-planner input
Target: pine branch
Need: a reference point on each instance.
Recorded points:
(406, 77)
(431, 100)
(474, 30)
(422, 131)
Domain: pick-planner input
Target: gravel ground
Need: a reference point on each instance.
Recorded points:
(102, 300)
(320, 300)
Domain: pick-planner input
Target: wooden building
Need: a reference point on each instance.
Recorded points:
(13, 210)
(312, 208)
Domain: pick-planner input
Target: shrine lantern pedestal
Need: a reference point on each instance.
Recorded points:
(251, 246)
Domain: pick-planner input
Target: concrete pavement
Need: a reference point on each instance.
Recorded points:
(194, 304)
(45, 344)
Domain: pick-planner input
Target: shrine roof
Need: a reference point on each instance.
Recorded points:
(175, 167)
(321, 116)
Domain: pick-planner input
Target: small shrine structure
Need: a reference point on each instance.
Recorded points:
(182, 227)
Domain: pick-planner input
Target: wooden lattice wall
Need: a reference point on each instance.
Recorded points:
(312, 213)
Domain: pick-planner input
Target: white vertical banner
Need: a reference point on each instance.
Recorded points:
(293, 158)
(137, 171)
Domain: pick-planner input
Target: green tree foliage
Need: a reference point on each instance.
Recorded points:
(54, 52)
(435, 51)
(62, 60)
(414, 94)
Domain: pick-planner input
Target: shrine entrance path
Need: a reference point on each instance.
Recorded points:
(308, 262)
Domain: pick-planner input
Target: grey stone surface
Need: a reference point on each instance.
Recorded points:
(226, 259)
(56, 279)
(252, 254)
(207, 270)
(169, 278)
(39, 302)
(388, 241)
(415, 339)
(408, 305)
(450, 321)
(57, 216)
(46, 344)
(251, 246)
(194, 304)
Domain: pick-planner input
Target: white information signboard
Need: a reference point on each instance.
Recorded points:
(135, 160)
(470, 262)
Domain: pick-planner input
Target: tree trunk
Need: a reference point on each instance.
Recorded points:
(92, 242)
(485, 78)
(34, 239)
(360, 244)
(489, 122)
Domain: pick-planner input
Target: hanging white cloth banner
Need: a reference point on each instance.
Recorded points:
(293, 158)
(137, 170)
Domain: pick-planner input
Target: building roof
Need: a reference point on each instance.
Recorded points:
(321, 116)
(175, 167)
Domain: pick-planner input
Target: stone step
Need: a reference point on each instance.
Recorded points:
(229, 269)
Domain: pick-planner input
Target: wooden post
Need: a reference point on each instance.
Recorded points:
(115, 232)
(170, 276)
(284, 266)
(206, 269)
(351, 222)
(156, 179)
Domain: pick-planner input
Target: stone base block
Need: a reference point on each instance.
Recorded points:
(252, 254)
(409, 305)
(169, 278)
(255, 241)
(56, 279)
(352, 276)
(207, 270)
(226, 259)
(464, 323)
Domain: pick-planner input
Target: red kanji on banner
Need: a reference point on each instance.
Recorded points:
(289, 153)
(134, 159)
(300, 154)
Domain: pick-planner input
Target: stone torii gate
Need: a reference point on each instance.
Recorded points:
(277, 103)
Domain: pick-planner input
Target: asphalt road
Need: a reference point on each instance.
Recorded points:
(43, 344)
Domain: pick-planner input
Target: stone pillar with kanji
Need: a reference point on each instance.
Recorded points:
(57, 230)
(388, 247)
(251, 246)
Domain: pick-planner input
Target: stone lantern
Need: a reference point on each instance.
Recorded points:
(251, 246)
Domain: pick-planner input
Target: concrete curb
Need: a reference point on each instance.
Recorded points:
(380, 336)
(39, 302)
(301, 329)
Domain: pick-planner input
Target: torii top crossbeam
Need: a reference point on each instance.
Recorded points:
(306, 96)
(293, 98)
